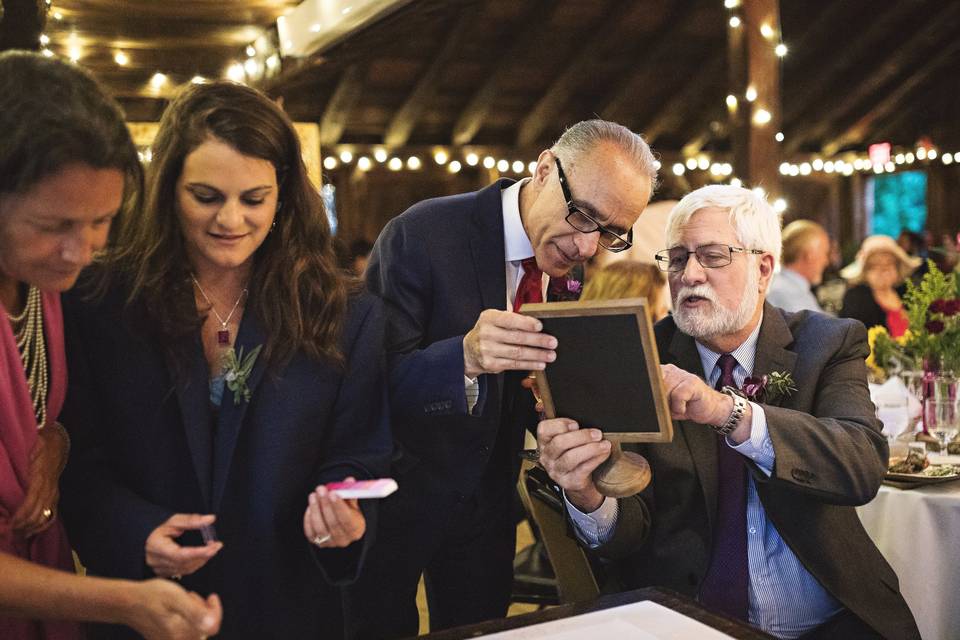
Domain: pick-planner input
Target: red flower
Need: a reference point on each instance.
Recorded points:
(938, 306)
(754, 388)
(934, 326)
(946, 307)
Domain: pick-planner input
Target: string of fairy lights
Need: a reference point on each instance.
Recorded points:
(262, 60)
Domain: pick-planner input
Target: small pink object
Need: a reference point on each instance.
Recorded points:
(359, 489)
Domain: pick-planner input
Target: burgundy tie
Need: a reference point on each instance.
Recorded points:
(530, 288)
(725, 585)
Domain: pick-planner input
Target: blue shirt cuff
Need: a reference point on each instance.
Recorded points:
(594, 528)
(758, 447)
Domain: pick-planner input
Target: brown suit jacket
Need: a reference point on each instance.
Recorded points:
(830, 457)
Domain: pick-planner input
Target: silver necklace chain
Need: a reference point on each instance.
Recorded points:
(223, 321)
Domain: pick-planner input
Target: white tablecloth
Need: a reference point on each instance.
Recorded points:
(918, 532)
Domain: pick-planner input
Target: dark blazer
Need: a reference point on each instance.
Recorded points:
(830, 457)
(859, 304)
(437, 267)
(146, 445)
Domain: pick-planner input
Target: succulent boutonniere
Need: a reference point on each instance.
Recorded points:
(236, 370)
(776, 384)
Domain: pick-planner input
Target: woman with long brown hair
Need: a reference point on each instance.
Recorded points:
(226, 373)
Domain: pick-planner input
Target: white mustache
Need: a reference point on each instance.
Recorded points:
(700, 291)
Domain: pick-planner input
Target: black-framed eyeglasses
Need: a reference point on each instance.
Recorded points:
(710, 256)
(585, 223)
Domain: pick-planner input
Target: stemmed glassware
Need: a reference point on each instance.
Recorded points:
(942, 419)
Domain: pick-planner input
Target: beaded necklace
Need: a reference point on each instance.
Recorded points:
(28, 333)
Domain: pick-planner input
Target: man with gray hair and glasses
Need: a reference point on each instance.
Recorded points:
(751, 506)
(452, 272)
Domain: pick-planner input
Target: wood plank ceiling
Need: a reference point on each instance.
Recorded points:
(511, 73)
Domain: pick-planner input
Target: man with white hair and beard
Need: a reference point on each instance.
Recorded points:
(751, 507)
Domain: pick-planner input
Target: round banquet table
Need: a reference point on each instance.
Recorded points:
(918, 532)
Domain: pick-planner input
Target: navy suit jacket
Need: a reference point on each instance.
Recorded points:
(437, 266)
(145, 446)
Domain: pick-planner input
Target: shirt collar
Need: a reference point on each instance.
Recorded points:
(515, 241)
(744, 354)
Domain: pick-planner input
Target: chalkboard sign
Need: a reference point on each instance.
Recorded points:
(607, 371)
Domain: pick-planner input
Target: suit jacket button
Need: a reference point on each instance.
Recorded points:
(484, 449)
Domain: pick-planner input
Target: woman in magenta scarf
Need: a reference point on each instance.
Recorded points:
(66, 164)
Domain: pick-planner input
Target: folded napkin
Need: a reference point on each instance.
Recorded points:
(897, 408)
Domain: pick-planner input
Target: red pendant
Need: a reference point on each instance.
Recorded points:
(223, 337)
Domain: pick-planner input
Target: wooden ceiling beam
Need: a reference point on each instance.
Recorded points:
(712, 124)
(857, 131)
(671, 113)
(406, 117)
(259, 11)
(895, 64)
(174, 37)
(341, 103)
(535, 20)
(22, 24)
(621, 105)
(577, 67)
(812, 86)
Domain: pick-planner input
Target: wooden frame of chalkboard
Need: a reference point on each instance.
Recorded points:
(607, 371)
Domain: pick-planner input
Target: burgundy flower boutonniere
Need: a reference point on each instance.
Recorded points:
(768, 388)
(565, 289)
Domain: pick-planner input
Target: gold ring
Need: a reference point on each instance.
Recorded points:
(319, 540)
(47, 513)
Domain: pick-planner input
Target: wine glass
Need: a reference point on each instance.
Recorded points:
(942, 419)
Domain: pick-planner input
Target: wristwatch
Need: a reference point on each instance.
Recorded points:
(739, 409)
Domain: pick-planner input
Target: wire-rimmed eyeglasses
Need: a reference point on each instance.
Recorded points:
(710, 256)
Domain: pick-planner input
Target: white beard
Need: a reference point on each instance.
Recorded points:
(717, 320)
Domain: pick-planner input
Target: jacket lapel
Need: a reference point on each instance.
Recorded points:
(486, 245)
(193, 396)
(772, 354)
(701, 439)
(231, 416)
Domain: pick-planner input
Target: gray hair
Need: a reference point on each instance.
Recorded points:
(584, 136)
(755, 222)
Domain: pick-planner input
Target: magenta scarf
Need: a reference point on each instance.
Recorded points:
(18, 434)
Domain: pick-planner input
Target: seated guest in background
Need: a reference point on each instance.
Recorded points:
(806, 253)
(66, 164)
(223, 372)
(880, 267)
(751, 506)
(450, 271)
(629, 279)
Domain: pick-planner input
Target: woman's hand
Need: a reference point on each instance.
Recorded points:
(39, 507)
(170, 560)
(330, 521)
(162, 610)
